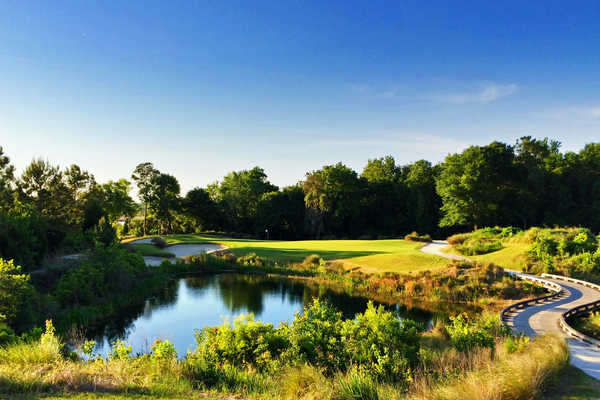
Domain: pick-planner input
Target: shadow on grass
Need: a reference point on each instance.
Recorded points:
(300, 254)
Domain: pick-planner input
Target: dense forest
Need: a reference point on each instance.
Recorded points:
(47, 209)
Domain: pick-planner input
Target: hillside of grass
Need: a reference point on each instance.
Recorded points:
(371, 256)
(569, 251)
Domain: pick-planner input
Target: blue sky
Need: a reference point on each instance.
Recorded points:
(204, 88)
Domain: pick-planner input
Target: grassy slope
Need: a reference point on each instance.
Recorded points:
(371, 255)
(511, 256)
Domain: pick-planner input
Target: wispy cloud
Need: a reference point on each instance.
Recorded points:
(374, 92)
(580, 113)
(485, 94)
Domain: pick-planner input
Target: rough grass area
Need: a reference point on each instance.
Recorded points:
(573, 384)
(589, 324)
(512, 256)
(370, 256)
(521, 372)
(147, 249)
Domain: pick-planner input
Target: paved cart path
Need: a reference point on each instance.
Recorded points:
(544, 317)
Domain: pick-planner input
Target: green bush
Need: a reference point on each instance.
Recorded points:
(415, 237)
(15, 292)
(163, 351)
(159, 242)
(248, 343)
(120, 350)
(377, 340)
(105, 272)
(466, 335)
(315, 337)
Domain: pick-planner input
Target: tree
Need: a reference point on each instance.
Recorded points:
(238, 195)
(332, 196)
(282, 213)
(198, 205)
(382, 169)
(7, 177)
(423, 201)
(143, 176)
(165, 198)
(116, 201)
(474, 185)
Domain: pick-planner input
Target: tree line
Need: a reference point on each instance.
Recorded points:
(532, 183)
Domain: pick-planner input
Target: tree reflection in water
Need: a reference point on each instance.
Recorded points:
(205, 300)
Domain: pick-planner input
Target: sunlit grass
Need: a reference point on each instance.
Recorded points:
(370, 255)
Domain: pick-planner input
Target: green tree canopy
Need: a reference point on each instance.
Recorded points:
(474, 184)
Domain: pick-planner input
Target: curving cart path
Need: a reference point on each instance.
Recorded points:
(544, 316)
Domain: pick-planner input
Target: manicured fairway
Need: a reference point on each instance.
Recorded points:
(371, 255)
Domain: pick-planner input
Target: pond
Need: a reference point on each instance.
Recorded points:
(191, 303)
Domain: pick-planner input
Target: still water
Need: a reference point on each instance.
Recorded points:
(191, 303)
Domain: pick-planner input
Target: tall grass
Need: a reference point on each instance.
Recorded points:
(508, 375)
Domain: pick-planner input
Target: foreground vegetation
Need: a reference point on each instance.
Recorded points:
(318, 355)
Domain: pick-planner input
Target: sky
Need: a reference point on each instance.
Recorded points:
(203, 88)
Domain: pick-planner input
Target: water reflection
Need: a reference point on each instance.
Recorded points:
(192, 303)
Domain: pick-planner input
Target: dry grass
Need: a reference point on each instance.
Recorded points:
(523, 374)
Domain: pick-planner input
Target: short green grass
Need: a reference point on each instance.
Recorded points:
(371, 256)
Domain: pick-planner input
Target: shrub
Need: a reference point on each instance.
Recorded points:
(159, 242)
(415, 237)
(315, 337)
(248, 343)
(120, 350)
(163, 352)
(15, 291)
(252, 259)
(105, 272)
(313, 260)
(466, 335)
(382, 344)
(459, 238)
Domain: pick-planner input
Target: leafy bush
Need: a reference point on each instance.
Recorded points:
(252, 259)
(377, 340)
(481, 241)
(15, 291)
(248, 343)
(163, 352)
(415, 237)
(159, 242)
(315, 337)
(120, 350)
(105, 272)
(466, 335)
(569, 251)
(313, 260)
